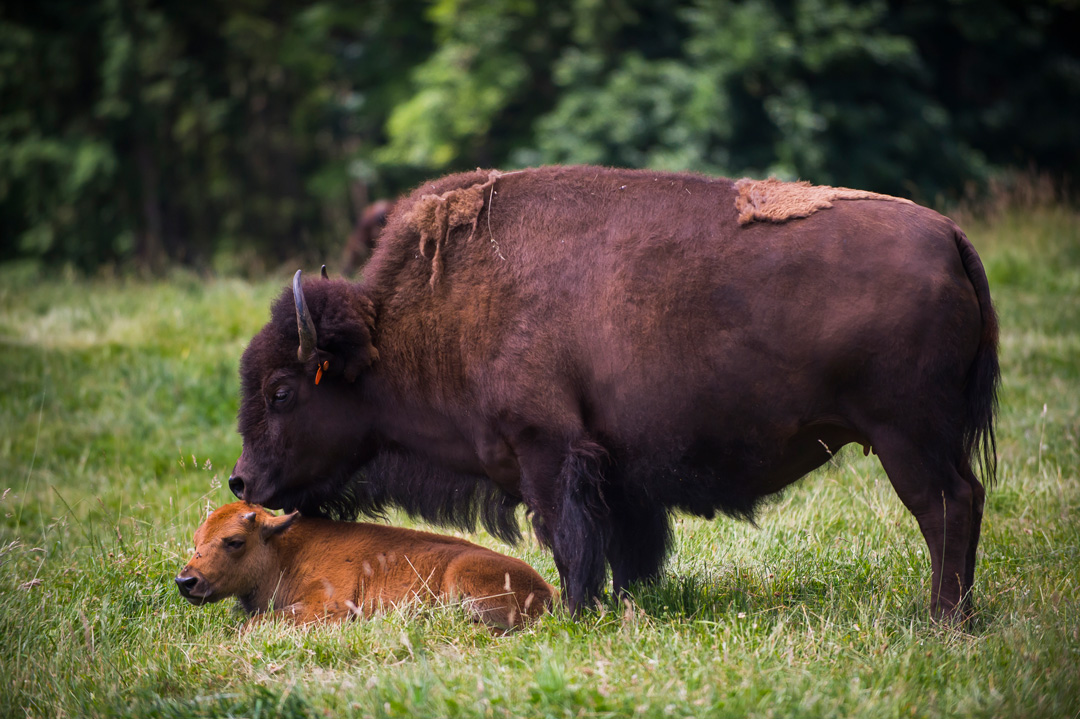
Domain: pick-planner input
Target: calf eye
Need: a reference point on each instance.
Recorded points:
(233, 544)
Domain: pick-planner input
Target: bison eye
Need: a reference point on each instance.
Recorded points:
(281, 396)
(233, 544)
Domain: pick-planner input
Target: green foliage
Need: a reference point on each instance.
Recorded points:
(163, 133)
(467, 82)
(817, 89)
(876, 95)
(243, 134)
(117, 427)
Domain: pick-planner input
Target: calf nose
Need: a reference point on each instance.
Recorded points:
(236, 485)
(186, 584)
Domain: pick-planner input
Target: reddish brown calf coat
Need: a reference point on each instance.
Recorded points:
(310, 569)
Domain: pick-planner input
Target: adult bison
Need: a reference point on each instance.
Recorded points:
(607, 345)
(362, 239)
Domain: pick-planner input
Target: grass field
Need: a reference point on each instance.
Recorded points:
(117, 431)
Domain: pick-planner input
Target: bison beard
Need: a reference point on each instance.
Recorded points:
(607, 346)
(422, 489)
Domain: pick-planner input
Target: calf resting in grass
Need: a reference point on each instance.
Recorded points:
(312, 569)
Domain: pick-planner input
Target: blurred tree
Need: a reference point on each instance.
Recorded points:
(488, 58)
(159, 132)
(166, 131)
(853, 92)
(1007, 73)
(818, 89)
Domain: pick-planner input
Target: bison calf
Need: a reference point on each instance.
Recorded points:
(316, 569)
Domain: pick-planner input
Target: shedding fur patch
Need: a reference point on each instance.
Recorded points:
(774, 200)
(435, 216)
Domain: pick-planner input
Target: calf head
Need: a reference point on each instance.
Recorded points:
(302, 393)
(232, 553)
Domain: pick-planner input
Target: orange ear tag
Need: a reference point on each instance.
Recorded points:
(318, 373)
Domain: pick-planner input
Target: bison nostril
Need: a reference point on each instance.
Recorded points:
(186, 584)
(236, 485)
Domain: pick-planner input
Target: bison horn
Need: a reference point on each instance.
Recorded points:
(324, 275)
(304, 326)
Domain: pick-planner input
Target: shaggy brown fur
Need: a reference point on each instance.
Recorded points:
(435, 216)
(315, 569)
(609, 346)
(773, 200)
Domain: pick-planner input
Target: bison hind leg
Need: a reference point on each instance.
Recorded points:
(978, 498)
(938, 487)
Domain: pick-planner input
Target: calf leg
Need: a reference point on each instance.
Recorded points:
(499, 591)
(315, 603)
(946, 508)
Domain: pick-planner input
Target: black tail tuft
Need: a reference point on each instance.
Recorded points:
(984, 376)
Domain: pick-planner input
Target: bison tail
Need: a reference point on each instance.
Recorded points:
(984, 375)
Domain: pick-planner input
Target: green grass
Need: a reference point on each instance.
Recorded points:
(117, 405)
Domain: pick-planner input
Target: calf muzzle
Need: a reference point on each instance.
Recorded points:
(188, 583)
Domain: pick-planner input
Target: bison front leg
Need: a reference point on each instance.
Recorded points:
(639, 540)
(571, 516)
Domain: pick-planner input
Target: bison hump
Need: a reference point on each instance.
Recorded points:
(774, 200)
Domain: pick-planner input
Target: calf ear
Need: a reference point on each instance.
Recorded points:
(272, 526)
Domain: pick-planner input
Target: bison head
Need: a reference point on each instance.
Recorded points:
(232, 554)
(301, 381)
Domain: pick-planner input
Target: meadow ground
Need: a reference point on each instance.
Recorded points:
(117, 431)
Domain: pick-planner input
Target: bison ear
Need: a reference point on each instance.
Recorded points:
(273, 526)
(335, 323)
(345, 327)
